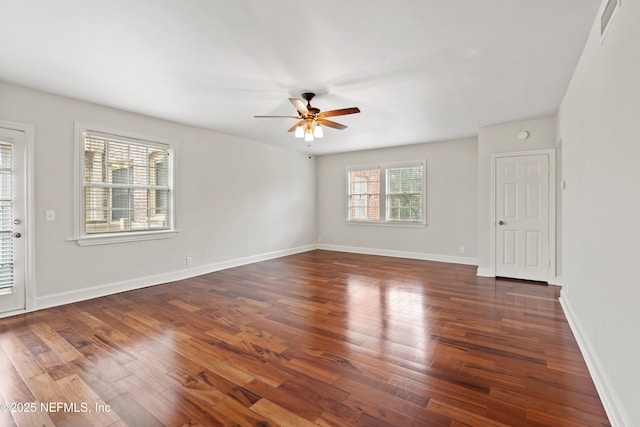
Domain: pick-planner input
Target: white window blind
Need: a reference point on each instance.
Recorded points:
(6, 218)
(387, 194)
(126, 184)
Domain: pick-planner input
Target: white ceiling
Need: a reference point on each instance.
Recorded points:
(419, 70)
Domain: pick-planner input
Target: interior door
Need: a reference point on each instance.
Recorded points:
(522, 217)
(12, 211)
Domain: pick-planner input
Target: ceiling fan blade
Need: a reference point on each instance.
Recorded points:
(341, 112)
(331, 124)
(293, 128)
(276, 117)
(299, 105)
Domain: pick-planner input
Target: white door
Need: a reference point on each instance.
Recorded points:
(522, 217)
(12, 211)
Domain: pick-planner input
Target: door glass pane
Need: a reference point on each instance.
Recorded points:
(6, 216)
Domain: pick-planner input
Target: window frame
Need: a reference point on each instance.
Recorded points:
(81, 236)
(384, 194)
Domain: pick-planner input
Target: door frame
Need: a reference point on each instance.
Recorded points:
(29, 260)
(551, 152)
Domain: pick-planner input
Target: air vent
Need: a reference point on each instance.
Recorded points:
(607, 15)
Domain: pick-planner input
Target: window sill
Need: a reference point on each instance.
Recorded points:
(389, 224)
(106, 239)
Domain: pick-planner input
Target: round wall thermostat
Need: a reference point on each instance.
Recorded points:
(523, 134)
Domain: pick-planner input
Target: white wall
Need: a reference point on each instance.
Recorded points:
(451, 203)
(598, 123)
(235, 199)
(503, 138)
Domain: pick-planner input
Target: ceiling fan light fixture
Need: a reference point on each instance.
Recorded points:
(308, 135)
(299, 132)
(318, 132)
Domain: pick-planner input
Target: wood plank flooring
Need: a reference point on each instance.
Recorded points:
(315, 339)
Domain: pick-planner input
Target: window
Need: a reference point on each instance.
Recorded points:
(404, 194)
(389, 194)
(364, 195)
(126, 187)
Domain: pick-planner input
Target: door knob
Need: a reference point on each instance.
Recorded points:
(501, 222)
(17, 235)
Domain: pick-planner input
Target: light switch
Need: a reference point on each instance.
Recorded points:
(50, 215)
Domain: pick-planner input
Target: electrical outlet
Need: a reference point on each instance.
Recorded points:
(461, 250)
(189, 261)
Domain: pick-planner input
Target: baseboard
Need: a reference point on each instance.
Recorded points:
(62, 298)
(614, 409)
(400, 254)
(485, 272)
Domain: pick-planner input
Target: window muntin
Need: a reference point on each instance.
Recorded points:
(388, 194)
(126, 185)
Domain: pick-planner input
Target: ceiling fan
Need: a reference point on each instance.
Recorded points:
(311, 118)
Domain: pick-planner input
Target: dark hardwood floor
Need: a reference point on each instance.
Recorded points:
(319, 338)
